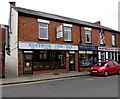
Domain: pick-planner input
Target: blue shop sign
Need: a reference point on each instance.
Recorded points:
(88, 48)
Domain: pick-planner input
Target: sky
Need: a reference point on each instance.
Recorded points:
(105, 11)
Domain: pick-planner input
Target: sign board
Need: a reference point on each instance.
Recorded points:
(32, 45)
(87, 48)
(59, 31)
(109, 49)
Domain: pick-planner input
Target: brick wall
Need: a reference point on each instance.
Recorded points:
(28, 31)
(2, 51)
(108, 39)
(118, 40)
(76, 61)
(20, 63)
(49, 71)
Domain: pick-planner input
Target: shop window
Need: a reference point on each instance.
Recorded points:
(113, 39)
(49, 60)
(88, 35)
(103, 56)
(109, 55)
(43, 31)
(67, 34)
(87, 59)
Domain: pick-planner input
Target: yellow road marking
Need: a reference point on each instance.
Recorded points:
(36, 82)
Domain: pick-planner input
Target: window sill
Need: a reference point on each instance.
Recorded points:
(43, 39)
(102, 44)
(114, 45)
(88, 43)
(68, 41)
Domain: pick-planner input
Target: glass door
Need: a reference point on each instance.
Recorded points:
(72, 62)
(27, 63)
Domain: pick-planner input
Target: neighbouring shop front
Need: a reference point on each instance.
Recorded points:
(47, 58)
(87, 56)
(108, 53)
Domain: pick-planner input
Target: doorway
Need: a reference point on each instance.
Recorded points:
(28, 63)
(72, 62)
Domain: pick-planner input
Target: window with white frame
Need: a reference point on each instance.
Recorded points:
(113, 39)
(88, 35)
(67, 32)
(43, 29)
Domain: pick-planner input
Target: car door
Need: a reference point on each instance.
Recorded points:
(111, 67)
(116, 67)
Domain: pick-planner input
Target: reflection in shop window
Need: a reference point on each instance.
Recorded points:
(86, 59)
(109, 55)
(102, 56)
(49, 60)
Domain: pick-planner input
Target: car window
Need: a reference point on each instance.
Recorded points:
(101, 64)
(114, 63)
(110, 64)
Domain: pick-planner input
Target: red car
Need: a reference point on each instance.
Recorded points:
(105, 68)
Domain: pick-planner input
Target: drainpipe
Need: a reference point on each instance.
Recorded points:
(7, 47)
(80, 35)
(78, 45)
(12, 4)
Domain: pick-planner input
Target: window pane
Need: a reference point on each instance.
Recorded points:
(113, 40)
(69, 36)
(43, 33)
(67, 29)
(88, 36)
(67, 33)
(43, 25)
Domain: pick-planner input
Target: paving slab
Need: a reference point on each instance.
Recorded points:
(32, 78)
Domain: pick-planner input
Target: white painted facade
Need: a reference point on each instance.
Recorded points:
(108, 53)
(11, 61)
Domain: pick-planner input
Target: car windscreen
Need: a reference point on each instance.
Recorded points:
(101, 64)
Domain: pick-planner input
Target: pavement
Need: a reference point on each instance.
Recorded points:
(48, 76)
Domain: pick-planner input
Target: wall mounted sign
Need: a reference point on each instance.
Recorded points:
(59, 31)
(108, 49)
(32, 45)
(87, 48)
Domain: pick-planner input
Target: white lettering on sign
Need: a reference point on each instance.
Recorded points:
(108, 49)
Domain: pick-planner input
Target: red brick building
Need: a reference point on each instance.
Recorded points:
(45, 43)
(2, 50)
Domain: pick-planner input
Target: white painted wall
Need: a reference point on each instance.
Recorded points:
(12, 60)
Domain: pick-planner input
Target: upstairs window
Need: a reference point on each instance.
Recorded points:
(88, 35)
(113, 39)
(43, 29)
(67, 32)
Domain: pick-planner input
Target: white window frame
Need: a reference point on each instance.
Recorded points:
(88, 33)
(113, 40)
(70, 32)
(41, 21)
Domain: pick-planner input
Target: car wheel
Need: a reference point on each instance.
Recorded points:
(106, 73)
(118, 72)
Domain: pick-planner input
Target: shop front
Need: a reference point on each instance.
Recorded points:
(87, 56)
(108, 53)
(41, 58)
